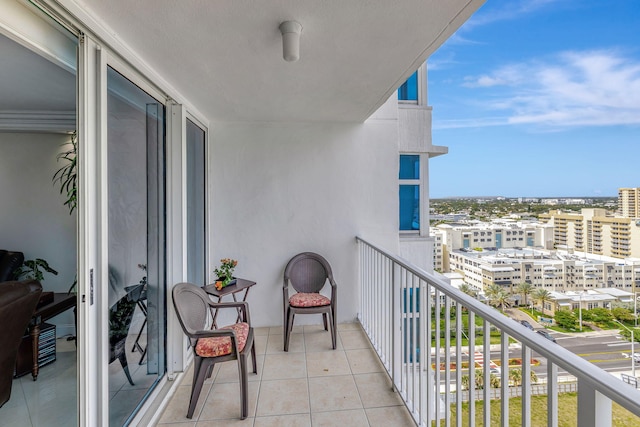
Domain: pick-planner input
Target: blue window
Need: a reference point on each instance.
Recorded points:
(409, 194)
(409, 166)
(409, 89)
(409, 207)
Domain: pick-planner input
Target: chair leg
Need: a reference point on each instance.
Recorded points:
(324, 321)
(333, 329)
(289, 329)
(122, 357)
(244, 393)
(198, 380)
(210, 370)
(253, 357)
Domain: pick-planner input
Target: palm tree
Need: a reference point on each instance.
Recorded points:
(542, 296)
(497, 296)
(515, 375)
(468, 289)
(525, 290)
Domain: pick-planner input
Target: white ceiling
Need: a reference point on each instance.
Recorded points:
(225, 56)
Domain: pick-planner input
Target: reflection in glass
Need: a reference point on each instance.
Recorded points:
(409, 207)
(195, 204)
(135, 150)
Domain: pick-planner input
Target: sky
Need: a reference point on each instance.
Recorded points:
(538, 98)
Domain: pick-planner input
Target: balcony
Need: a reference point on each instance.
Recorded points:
(309, 385)
(352, 385)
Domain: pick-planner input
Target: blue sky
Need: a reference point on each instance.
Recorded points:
(538, 98)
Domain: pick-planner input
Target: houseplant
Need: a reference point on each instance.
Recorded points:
(67, 175)
(224, 273)
(34, 269)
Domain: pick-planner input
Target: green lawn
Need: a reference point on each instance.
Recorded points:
(479, 337)
(567, 412)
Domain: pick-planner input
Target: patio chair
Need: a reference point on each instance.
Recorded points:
(210, 346)
(308, 273)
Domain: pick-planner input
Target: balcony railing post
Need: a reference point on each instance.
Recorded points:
(594, 409)
(396, 323)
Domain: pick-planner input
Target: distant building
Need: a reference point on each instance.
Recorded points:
(594, 232)
(629, 202)
(587, 300)
(503, 233)
(559, 271)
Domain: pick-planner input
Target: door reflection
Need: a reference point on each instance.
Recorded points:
(135, 158)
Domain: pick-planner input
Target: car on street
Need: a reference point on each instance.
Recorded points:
(546, 334)
(526, 324)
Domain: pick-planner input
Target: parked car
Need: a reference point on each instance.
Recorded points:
(546, 334)
(526, 324)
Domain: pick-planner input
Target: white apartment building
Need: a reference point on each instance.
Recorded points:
(559, 271)
(593, 231)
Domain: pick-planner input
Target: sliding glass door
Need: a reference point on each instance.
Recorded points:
(136, 245)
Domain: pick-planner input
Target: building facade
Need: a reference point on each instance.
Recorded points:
(558, 271)
(629, 202)
(595, 232)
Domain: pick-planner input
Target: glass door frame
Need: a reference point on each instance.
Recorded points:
(178, 349)
(97, 49)
(107, 60)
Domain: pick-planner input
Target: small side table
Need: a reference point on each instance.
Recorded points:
(239, 286)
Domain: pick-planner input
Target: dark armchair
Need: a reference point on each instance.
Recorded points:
(18, 302)
(9, 261)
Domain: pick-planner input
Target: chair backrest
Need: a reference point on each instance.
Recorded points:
(120, 316)
(192, 306)
(9, 261)
(307, 272)
(18, 302)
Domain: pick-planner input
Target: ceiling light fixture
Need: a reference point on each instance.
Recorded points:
(290, 40)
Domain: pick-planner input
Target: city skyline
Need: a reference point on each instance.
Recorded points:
(538, 99)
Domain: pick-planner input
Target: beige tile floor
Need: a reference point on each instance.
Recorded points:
(311, 385)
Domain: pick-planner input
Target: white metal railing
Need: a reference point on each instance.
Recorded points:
(403, 309)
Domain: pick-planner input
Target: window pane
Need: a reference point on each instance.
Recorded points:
(135, 153)
(409, 166)
(195, 204)
(409, 89)
(409, 207)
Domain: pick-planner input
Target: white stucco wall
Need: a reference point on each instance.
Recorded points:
(280, 189)
(33, 218)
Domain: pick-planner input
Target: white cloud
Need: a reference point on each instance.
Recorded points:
(511, 10)
(593, 88)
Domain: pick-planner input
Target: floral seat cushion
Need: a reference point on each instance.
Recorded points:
(302, 299)
(221, 346)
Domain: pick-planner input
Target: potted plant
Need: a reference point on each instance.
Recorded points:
(34, 269)
(224, 273)
(67, 175)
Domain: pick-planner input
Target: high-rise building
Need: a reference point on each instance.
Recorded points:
(592, 231)
(629, 202)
